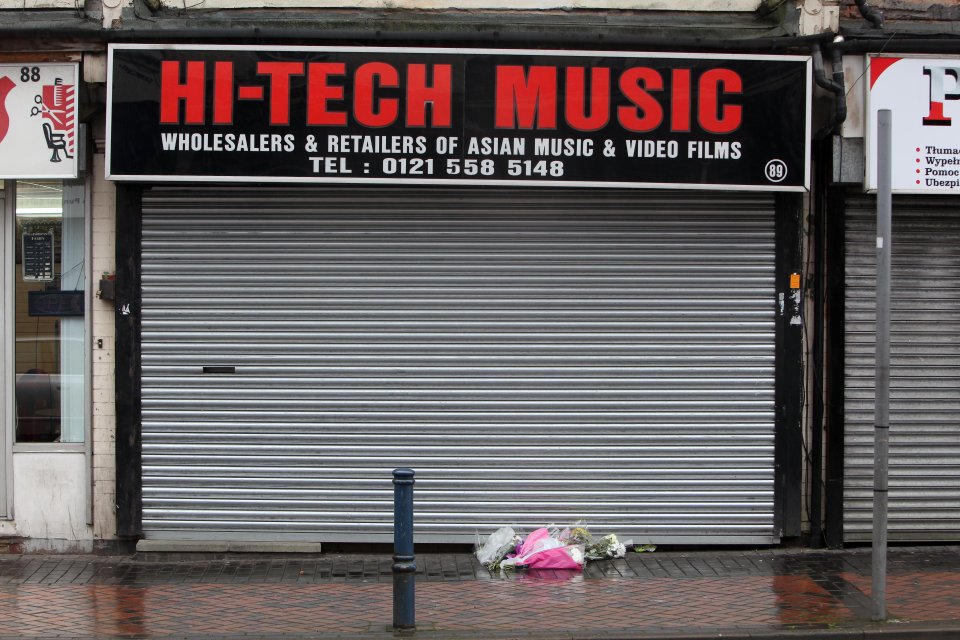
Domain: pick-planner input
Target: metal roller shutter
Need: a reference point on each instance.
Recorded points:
(536, 356)
(924, 499)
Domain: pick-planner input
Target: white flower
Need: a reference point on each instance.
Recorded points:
(576, 553)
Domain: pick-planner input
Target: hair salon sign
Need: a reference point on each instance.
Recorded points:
(38, 120)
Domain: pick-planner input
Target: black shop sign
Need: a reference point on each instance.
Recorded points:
(443, 116)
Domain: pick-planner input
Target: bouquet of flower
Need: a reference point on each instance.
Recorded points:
(578, 534)
(550, 548)
(595, 548)
(606, 547)
(543, 549)
(498, 545)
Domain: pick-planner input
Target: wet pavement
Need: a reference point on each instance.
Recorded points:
(726, 593)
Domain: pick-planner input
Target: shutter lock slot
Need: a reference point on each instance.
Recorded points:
(219, 369)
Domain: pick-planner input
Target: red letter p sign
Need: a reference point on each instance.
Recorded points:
(944, 85)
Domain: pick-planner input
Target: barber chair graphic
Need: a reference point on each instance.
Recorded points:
(56, 142)
(55, 105)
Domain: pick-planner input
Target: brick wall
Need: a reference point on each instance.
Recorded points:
(104, 411)
(913, 10)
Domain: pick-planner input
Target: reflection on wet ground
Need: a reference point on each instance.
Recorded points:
(87, 596)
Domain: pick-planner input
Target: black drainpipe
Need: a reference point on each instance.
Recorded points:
(834, 85)
(821, 179)
(874, 15)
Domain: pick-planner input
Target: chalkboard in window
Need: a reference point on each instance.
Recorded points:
(38, 257)
(54, 303)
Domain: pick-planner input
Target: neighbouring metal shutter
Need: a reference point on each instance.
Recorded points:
(537, 356)
(924, 498)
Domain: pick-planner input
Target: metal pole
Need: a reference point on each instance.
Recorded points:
(404, 562)
(881, 432)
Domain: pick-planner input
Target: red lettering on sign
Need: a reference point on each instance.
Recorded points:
(936, 116)
(940, 93)
(525, 101)
(680, 100)
(173, 92)
(249, 92)
(280, 73)
(320, 92)
(223, 93)
(525, 97)
(713, 117)
(646, 114)
(576, 101)
(367, 109)
(439, 96)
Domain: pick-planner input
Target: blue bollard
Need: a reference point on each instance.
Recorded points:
(404, 562)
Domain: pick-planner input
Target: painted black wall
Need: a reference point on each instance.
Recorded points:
(788, 490)
(128, 371)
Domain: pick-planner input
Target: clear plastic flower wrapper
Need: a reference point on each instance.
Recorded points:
(501, 542)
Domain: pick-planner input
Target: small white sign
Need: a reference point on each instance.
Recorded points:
(38, 120)
(923, 95)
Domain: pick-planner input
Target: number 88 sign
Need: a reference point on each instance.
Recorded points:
(38, 120)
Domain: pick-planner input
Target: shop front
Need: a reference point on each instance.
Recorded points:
(45, 454)
(561, 286)
(924, 97)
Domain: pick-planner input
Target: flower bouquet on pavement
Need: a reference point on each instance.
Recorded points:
(548, 548)
(497, 547)
(540, 550)
(605, 548)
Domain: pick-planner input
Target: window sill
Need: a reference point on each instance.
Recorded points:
(49, 447)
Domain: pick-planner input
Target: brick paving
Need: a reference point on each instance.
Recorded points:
(766, 593)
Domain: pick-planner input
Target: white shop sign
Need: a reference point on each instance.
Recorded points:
(923, 94)
(38, 120)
